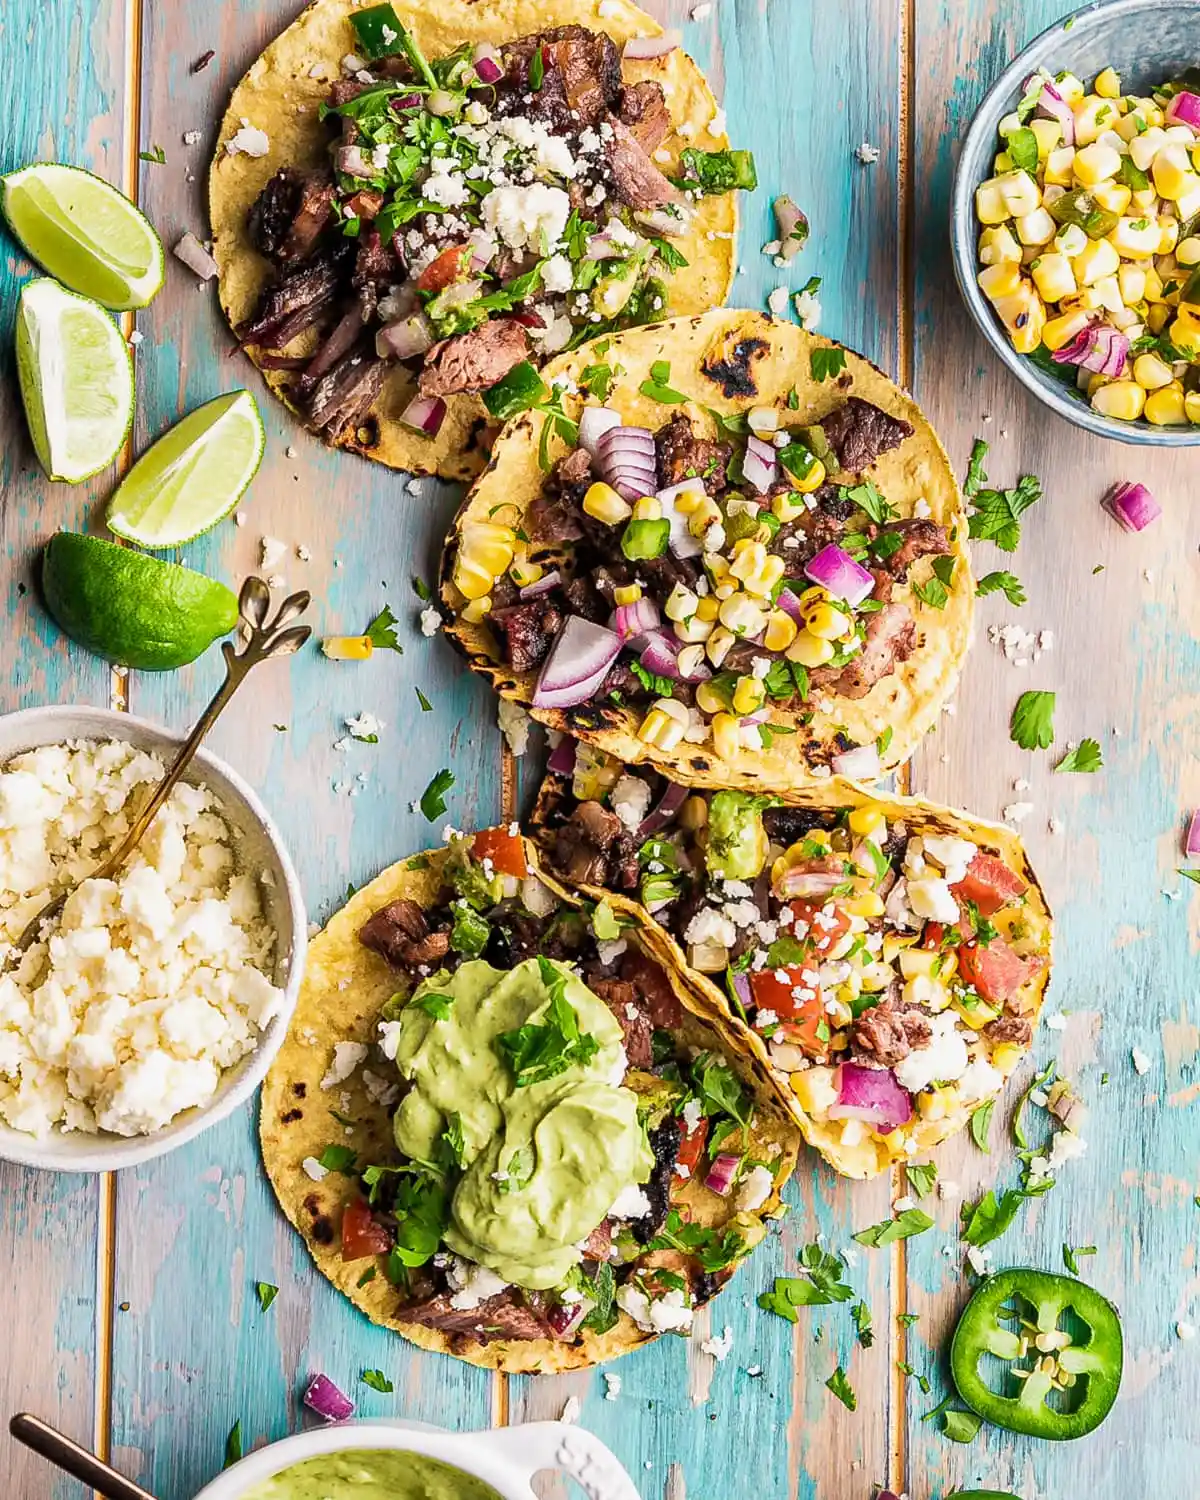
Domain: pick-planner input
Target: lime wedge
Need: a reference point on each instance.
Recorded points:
(192, 477)
(84, 232)
(76, 380)
(131, 609)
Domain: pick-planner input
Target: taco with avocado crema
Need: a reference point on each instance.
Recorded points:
(746, 562)
(886, 958)
(410, 201)
(545, 1149)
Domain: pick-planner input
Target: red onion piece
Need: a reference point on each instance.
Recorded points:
(659, 655)
(1052, 106)
(1099, 347)
(659, 221)
(668, 805)
(425, 414)
(760, 466)
(353, 161)
(839, 575)
(871, 1094)
(405, 339)
(406, 101)
(600, 247)
(594, 422)
(483, 249)
(195, 257)
(1184, 109)
(562, 757)
(721, 1174)
(1191, 845)
(1132, 506)
(641, 48)
(634, 622)
(323, 1397)
(741, 986)
(625, 456)
(486, 62)
(565, 1318)
(860, 764)
(681, 541)
(578, 663)
(545, 583)
(791, 605)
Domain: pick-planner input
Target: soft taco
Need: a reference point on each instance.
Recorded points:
(409, 200)
(885, 957)
(749, 562)
(505, 1127)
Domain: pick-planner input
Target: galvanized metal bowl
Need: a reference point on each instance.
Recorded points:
(1145, 41)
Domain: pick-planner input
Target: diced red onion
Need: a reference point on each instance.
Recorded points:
(1099, 347)
(323, 1397)
(634, 622)
(759, 716)
(659, 221)
(873, 1095)
(425, 414)
(483, 249)
(528, 318)
(562, 758)
(839, 575)
(642, 48)
(1133, 506)
(625, 457)
(741, 987)
(659, 655)
(760, 466)
(405, 339)
(681, 541)
(1191, 845)
(486, 62)
(791, 605)
(353, 161)
(860, 764)
(195, 257)
(1052, 106)
(792, 228)
(806, 885)
(406, 101)
(600, 247)
(668, 805)
(1184, 109)
(545, 583)
(578, 663)
(594, 422)
(721, 1173)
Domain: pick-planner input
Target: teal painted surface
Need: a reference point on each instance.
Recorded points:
(804, 83)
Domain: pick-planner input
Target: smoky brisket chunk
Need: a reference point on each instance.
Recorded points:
(637, 181)
(503, 1316)
(644, 110)
(682, 455)
(858, 432)
(529, 630)
(621, 997)
(273, 211)
(399, 933)
(474, 361)
(888, 1032)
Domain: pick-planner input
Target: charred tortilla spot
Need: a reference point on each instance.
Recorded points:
(300, 1090)
(292, 1114)
(731, 371)
(477, 437)
(322, 1230)
(586, 716)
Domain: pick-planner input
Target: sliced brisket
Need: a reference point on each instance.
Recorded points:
(399, 933)
(858, 432)
(476, 360)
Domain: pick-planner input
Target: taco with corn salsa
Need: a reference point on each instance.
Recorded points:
(408, 200)
(885, 957)
(743, 557)
(505, 1127)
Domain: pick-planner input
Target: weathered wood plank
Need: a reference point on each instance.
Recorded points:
(1123, 663)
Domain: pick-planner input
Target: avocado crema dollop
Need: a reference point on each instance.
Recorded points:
(544, 1162)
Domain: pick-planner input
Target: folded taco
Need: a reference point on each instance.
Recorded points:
(885, 957)
(503, 1124)
(747, 560)
(409, 200)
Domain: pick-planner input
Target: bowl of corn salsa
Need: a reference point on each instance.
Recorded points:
(1076, 220)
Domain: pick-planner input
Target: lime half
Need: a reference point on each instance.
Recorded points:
(84, 232)
(133, 610)
(76, 379)
(192, 477)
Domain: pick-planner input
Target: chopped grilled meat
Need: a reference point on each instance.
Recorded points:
(664, 1143)
(366, 203)
(636, 179)
(891, 638)
(582, 845)
(581, 77)
(598, 1245)
(663, 573)
(786, 825)
(345, 89)
(814, 528)
(1009, 1029)
(273, 211)
(858, 432)
(504, 1316)
(621, 998)
(549, 520)
(920, 538)
(884, 584)
(339, 343)
(620, 682)
(476, 360)
(682, 455)
(583, 599)
(375, 260)
(314, 212)
(572, 469)
(343, 397)
(529, 630)
(644, 110)
(655, 994)
(888, 1032)
(399, 933)
(294, 303)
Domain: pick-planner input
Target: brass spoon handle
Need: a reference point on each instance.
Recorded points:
(73, 1459)
(262, 639)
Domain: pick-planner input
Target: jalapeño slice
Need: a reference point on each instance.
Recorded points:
(1060, 1382)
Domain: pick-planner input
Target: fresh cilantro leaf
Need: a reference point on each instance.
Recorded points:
(426, 706)
(938, 1409)
(156, 154)
(233, 1445)
(266, 1293)
(975, 475)
(883, 740)
(921, 1177)
(719, 1088)
(827, 362)
(378, 1381)
(1001, 582)
(932, 592)
(433, 798)
(912, 1221)
(597, 380)
(1032, 722)
(1070, 1256)
(1022, 146)
(660, 686)
(869, 500)
(657, 388)
(961, 1426)
(535, 1051)
(602, 1289)
(906, 1320)
(337, 1158)
(981, 1124)
(997, 513)
(842, 1389)
(381, 632)
(368, 1275)
(537, 69)
(1192, 875)
(713, 1248)
(860, 1314)
(988, 1219)
(1086, 756)
(421, 589)
(435, 1005)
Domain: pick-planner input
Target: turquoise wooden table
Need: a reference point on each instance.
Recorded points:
(128, 1309)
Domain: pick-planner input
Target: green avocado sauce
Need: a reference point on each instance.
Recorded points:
(364, 1474)
(542, 1163)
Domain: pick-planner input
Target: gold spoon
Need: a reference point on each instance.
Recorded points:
(260, 641)
(73, 1459)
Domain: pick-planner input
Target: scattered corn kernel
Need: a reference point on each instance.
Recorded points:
(477, 610)
(681, 602)
(648, 508)
(1060, 166)
(719, 644)
(1187, 252)
(1036, 228)
(1020, 193)
(1191, 405)
(1048, 133)
(1123, 399)
(661, 730)
(690, 659)
(725, 736)
(470, 579)
(1096, 163)
(784, 508)
(1165, 407)
(1151, 372)
(781, 630)
(997, 245)
(347, 647)
(1053, 276)
(603, 503)
(708, 699)
(1000, 280)
(523, 573)
(868, 904)
(1060, 331)
(1098, 258)
(748, 695)
(1172, 171)
(867, 820)
(1136, 239)
(1108, 84)
(809, 650)
(627, 593)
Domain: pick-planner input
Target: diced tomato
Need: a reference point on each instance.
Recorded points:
(691, 1147)
(445, 269)
(933, 936)
(989, 883)
(802, 1015)
(997, 971)
(821, 924)
(662, 1003)
(505, 850)
(362, 1235)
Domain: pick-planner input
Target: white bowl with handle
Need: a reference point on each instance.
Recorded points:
(506, 1458)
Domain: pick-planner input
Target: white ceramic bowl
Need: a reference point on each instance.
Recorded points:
(260, 847)
(507, 1458)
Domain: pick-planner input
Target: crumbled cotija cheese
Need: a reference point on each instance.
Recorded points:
(151, 984)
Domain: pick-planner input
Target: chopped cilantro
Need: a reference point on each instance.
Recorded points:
(1086, 757)
(266, 1293)
(368, 1275)
(657, 387)
(981, 1124)
(536, 1052)
(842, 1389)
(433, 798)
(1002, 582)
(860, 1313)
(961, 1426)
(912, 1221)
(434, 1004)
(1032, 722)
(338, 1158)
(821, 1286)
(537, 69)
(597, 380)
(988, 1219)
(233, 1445)
(378, 1381)
(713, 1248)
(975, 475)
(882, 741)
(426, 706)
(718, 171)
(156, 154)
(921, 1177)
(869, 500)
(602, 1289)
(660, 686)
(826, 362)
(421, 589)
(1192, 875)
(997, 513)
(381, 632)
(935, 591)
(906, 1320)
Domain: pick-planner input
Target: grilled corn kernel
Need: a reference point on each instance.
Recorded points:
(781, 630)
(748, 695)
(1092, 118)
(1060, 167)
(869, 904)
(477, 609)
(1168, 236)
(1070, 240)
(1187, 205)
(1005, 1057)
(661, 729)
(1060, 331)
(718, 645)
(691, 659)
(1132, 282)
(867, 820)
(524, 573)
(1070, 88)
(1001, 280)
(1053, 276)
(763, 421)
(809, 650)
(1105, 293)
(647, 508)
(687, 500)
(1151, 372)
(997, 245)
(1026, 323)
(762, 583)
(1172, 171)
(1145, 147)
(1187, 252)
(990, 206)
(1108, 84)
(708, 700)
(627, 593)
(704, 513)
(1185, 332)
(812, 479)
(1114, 196)
(694, 629)
(1036, 228)
(470, 579)
(1123, 399)
(347, 647)
(1093, 383)
(603, 503)
(681, 603)
(1154, 285)
(1165, 407)
(743, 615)
(748, 556)
(815, 1090)
(1049, 134)
(784, 508)
(825, 621)
(726, 741)
(1097, 258)
(1020, 193)
(1136, 238)
(1002, 162)
(707, 608)
(931, 1105)
(490, 545)
(1191, 405)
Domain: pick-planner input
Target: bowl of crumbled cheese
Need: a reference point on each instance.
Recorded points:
(159, 999)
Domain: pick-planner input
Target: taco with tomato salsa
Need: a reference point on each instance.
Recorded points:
(410, 200)
(743, 558)
(505, 1127)
(886, 958)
